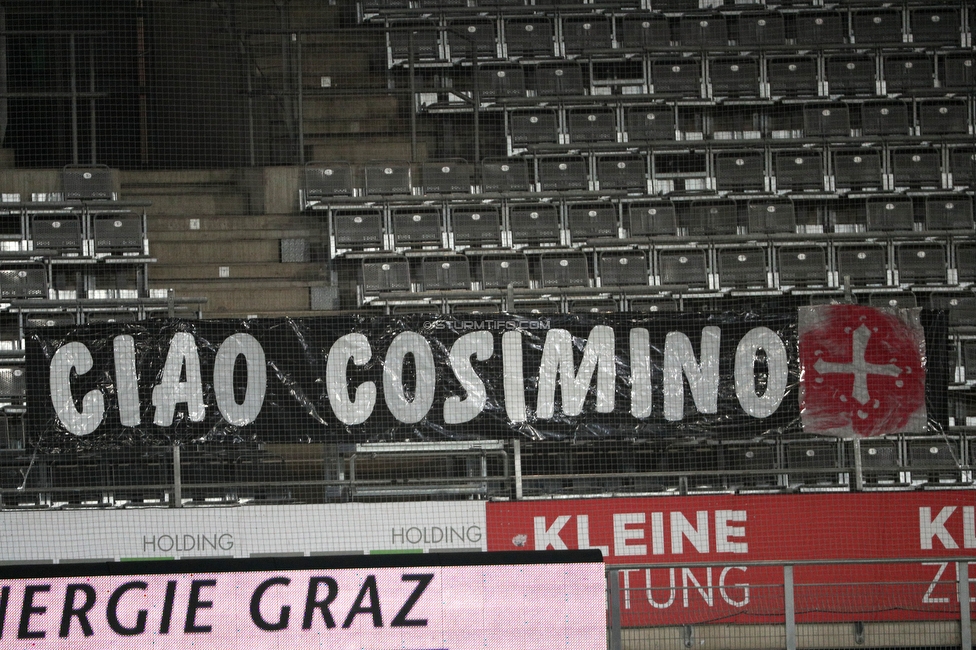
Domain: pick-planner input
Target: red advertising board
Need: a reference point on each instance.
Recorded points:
(729, 531)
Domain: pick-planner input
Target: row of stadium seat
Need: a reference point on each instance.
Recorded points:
(585, 34)
(715, 77)
(102, 280)
(700, 169)
(712, 267)
(581, 222)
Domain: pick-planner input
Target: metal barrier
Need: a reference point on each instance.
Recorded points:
(888, 603)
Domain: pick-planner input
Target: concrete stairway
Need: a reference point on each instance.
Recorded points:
(206, 244)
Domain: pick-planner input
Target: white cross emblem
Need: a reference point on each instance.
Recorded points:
(858, 366)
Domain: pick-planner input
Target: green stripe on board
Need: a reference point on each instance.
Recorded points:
(145, 559)
(411, 551)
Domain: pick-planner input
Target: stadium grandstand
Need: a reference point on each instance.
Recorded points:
(690, 282)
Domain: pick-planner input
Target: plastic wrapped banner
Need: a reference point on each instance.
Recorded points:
(373, 379)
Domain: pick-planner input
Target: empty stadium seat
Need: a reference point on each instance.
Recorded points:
(417, 227)
(921, 263)
(683, 267)
(760, 29)
(558, 80)
(958, 71)
(447, 177)
(734, 77)
(528, 127)
(794, 76)
(535, 223)
(591, 220)
(327, 180)
(863, 264)
(593, 124)
(564, 270)
(118, 233)
(940, 25)
(893, 299)
(949, 212)
(873, 26)
(820, 28)
(742, 170)
(643, 31)
(966, 263)
(934, 461)
(962, 164)
(388, 178)
(650, 218)
(505, 175)
(802, 266)
(717, 217)
(771, 215)
(885, 118)
(676, 77)
(87, 183)
(814, 463)
(59, 233)
(799, 170)
(470, 38)
(385, 274)
(908, 73)
(495, 83)
(583, 35)
(652, 122)
(824, 120)
(703, 31)
(360, 228)
(943, 117)
(529, 37)
(500, 271)
(476, 225)
(623, 268)
(742, 267)
(917, 167)
(890, 213)
(622, 173)
(562, 173)
(851, 74)
(857, 169)
(445, 272)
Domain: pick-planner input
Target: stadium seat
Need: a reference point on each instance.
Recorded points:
(943, 117)
(760, 29)
(445, 272)
(893, 299)
(718, 217)
(650, 218)
(564, 270)
(529, 37)
(876, 26)
(864, 264)
(890, 213)
(771, 216)
(627, 268)
(534, 224)
(558, 80)
(496, 83)
(703, 31)
(745, 461)
(962, 164)
(966, 262)
(734, 77)
(528, 127)
(504, 175)
(885, 118)
(417, 227)
(468, 38)
(358, 228)
(949, 212)
(823, 120)
(961, 308)
(87, 183)
(683, 267)
(794, 76)
(447, 177)
(116, 234)
(562, 173)
(799, 170)
(476, 225)
(814, 463)
(499, 271)
(938, 25)
(323, 181)
(742, 268)
(857, 169)
(385, 274)
(388, 178)
(652, 122)
(908, 73)
(59, 233)
(627, 173)
(921, 263)
(802, 266)
(592, 124)
(676, 77)
(917, 168)
(742, 170)
(591, 220)
(934, 461)
(641, 31)
(958, 71)
(851, 74)
(820, 28)
(584, 35)
(418, 39)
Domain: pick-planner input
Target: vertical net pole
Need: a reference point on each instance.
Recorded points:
(965, 615)
(613, 596)
(789, 607)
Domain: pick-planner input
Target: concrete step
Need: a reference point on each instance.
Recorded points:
(210, 191)
(362, 149)
(233, 297)
(230, 237)
(237, 272)
(213, 224)
(181, 252)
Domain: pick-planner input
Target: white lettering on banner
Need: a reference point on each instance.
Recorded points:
(356, 409)
(557, 364)
(945, 585)
(74, 356)
(640, 373)
(629, 533)
(679, 359)
(480, 345)
(777, 372)
(930, 527)
(410, 398)
(690, 583)
(234, 346)
(171, 391)
(126, 380)
(404, 408)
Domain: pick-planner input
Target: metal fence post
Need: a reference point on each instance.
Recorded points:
(965, 613)
(613, 606)
(177, 478)
(518, 468)
(789, 607)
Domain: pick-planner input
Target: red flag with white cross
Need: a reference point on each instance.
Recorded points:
(862, 370)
